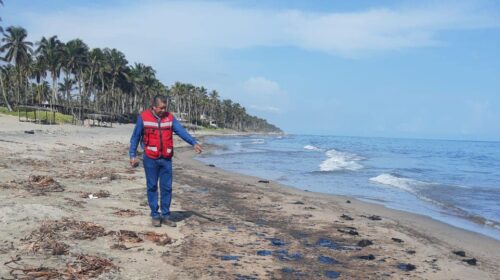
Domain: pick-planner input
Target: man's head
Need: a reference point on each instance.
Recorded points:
(159, 104)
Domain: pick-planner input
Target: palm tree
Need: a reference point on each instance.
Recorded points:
(66, 87)
(1, 29)
(2, 87)
(38, 73)
(18, 51)
(42, 91)
(50, 52)
(95, 72)
(116, 68)
(76, 56)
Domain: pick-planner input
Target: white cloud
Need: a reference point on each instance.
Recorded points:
(150, 29)
(260, 85)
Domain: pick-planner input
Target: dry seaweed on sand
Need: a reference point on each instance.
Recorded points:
(158, 239)
(42, 184)
(36, 184)
(127, 236)
(48, 236)
(85, 267)
(134, 237)
(99, 194)
(82, 267)
(126, 213)
(87, 230)
(119, 246)
(74, 203)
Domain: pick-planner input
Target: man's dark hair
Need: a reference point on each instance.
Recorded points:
(158, 98)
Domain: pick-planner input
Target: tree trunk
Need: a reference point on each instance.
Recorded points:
(54, 90)
(4, 93)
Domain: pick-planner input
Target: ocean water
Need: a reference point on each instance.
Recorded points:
(456, 182)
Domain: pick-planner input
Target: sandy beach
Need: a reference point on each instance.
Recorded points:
(70, 206)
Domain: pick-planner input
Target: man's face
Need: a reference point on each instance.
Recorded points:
(160, 108)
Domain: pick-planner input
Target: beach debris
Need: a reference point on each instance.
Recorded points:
(346, 217)
(229, 258)
(348, 201)
(47, 238)
(35, 184)
(24, 272)
(406, 266)
(411, 252)
(99, 194)
(332, 274)
(75, 203)
(86, 230)
(29, 131)
(231, 228)
(245, 277)
(157, 238)
(264, 181)
(397, 240)
(264, 252)
(119, 246)
(277, 242)
(369, 257)
(134, 237)
(127, 236)
(459, 253)
(327, 260)
(374, 218)
(82, 267)
(127, 213)
(211, 165)
(364, 243)
(348, 230)
(42, 184)
(298, 202)
(86, 267)
(472, 261)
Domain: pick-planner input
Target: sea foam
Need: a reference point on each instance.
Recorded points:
(338, 161)
(311, 148)
(397, 182)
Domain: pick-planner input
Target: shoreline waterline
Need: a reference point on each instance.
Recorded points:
(223, 157)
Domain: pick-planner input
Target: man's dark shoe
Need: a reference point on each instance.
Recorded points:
(168, 222)
(156, 222)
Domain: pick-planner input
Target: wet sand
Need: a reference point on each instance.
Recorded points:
(230, 226)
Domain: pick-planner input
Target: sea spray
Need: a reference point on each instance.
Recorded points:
(338, 161)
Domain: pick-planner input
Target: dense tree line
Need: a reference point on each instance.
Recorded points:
(72, 75)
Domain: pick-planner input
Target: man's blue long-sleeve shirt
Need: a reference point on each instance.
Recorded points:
(139, 129)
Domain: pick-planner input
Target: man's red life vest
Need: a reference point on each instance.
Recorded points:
(158, 140)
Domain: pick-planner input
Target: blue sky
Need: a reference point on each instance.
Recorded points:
(424, 69)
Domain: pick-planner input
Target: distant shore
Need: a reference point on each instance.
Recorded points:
(230, 225)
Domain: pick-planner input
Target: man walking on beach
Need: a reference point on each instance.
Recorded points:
(154, 129)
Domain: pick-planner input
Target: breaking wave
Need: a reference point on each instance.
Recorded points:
(338, 161)
(398, 182)
(311, 148)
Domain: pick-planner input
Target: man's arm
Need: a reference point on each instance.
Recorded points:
(182, 133)
(134, 140)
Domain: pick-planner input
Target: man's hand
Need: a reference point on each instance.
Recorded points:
(134, 162)
(197, 148)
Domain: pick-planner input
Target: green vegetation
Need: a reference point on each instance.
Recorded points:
(60, 118)
(77, 79)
